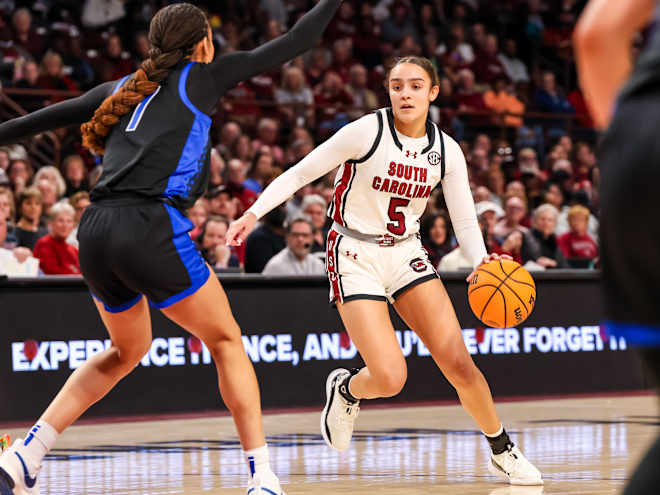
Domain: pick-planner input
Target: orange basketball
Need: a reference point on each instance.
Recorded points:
(502, 294)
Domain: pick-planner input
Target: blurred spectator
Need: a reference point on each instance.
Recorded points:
(296, 258)
(332, 101)
(20, 173)
(515, 68)
(142, 47)
(319, 61)
(469, 99)
(28, 229)
(99, 13)
(502, 100)
(15, 261)
(7, 206)
(399, 23)
(478, 36)
(52, 76)
(79, 201)
(243, 149)
(27, 77)
(549, 254)
(549, 98)
(268, 134)
(265, 241)
(294, 99)
(53, 176)
(482, 193)
(229, 133)
(276, 10)
(212, 243)
(4, 158)
(25, 36)
(74, 175)
(260, 173)
(240, 104)
(222, 203)
(48, 197)
(56, 256)
(314, 207)
(364, 99)
(437, 237)
(198, 215)
(488, 213)
(342, 58)
(217, 169)
(514, 213)
(579, 249)
(513, 245)
(487, 66)
(577, 101)
(577, 198)
(367, 43)
(236, 176)
(115, 63)
(343, 24)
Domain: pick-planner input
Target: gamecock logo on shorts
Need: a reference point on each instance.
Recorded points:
(434, 157)
(418, 265)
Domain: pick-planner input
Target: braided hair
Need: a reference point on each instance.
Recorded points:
(174, 32)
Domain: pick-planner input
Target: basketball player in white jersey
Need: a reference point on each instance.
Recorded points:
(390, 161)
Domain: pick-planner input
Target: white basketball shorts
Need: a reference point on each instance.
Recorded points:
(366, 270)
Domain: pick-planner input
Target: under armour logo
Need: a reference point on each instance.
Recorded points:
(408, 153)
(354, 255)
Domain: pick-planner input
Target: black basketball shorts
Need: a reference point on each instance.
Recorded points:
(133, 247)
(629, 160)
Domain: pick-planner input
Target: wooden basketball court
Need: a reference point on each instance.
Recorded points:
(585, 446)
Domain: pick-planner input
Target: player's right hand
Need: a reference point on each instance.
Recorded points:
(240, 229)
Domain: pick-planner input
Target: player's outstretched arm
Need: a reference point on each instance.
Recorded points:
(349, 143)
(69, 112)
(602, 40)
(232, 68)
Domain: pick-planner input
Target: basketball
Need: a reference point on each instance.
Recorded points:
(502, 294)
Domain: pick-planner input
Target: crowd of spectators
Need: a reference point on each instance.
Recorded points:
(508, 95)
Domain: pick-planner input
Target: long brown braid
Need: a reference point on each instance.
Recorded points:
(173, 33)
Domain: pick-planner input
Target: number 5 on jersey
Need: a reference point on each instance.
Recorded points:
(398, 225)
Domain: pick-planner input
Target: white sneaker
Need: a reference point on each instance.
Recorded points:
(338, 416)
(264, 484)
(515, 468)
(15, 479)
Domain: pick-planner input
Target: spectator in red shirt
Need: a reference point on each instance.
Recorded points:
(25, 36)
(56, 256)
(198, 215)
(343, 24)
(469, 99)
(487, 66)
(332, 102)
(236, 176)
(268, 134)
(576, 245)
(52, 76)
(115, 63)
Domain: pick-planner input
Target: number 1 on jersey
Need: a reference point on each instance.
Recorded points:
(398, 225)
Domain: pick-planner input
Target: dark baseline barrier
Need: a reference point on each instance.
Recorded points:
(293, 337)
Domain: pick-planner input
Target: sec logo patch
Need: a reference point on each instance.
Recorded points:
(434, 158)
(418, 265)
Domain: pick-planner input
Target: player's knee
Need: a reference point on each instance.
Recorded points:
(130, 356)
(392, 380)
(223, 346)
(460, 371)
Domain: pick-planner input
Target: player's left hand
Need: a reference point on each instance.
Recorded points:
(487, 259)
(240, 229)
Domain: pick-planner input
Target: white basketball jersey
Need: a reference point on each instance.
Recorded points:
(386, 191)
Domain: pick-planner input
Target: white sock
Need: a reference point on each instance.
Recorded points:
(496, 434)
(258, 460)
(38, 442)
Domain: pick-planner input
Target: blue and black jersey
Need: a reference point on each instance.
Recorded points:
(161, 149)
